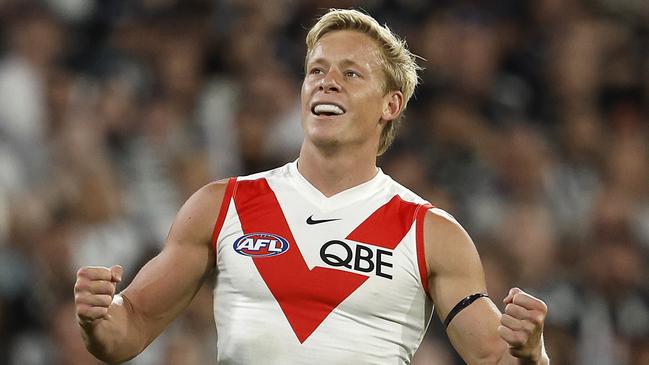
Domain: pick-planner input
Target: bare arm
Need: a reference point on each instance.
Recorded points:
(477, 332)
(118, 328)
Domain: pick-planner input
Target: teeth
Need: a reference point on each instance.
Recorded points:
(327, 108)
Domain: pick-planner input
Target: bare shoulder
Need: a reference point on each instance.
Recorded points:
(446, 242)
(437, 218)
(196, 218)
(215, 186)
(205, 201)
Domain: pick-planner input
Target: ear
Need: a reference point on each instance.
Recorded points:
(392, 106)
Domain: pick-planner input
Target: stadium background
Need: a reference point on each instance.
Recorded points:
(530, 126)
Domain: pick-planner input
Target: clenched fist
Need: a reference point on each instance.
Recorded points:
(521, 326)
(94, 291)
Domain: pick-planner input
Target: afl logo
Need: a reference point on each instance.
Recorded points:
(261, 245)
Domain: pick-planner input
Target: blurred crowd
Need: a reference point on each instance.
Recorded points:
(531, 126)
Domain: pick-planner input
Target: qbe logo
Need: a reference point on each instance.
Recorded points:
(357, 257)
(261, 245)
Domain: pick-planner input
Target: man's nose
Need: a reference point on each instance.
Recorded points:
(329, 83)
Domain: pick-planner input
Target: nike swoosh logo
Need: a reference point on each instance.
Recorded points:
(310, 220)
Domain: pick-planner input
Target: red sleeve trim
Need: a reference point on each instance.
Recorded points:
(225, 203)
(421, 256)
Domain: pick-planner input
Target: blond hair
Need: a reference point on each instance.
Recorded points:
(398, 62)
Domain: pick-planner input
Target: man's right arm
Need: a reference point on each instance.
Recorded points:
(116, 328)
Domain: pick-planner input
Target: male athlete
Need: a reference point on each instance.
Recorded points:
(325, 260)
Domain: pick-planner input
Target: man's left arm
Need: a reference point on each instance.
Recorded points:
(476, 328)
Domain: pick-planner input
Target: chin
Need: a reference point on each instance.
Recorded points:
(322, 139)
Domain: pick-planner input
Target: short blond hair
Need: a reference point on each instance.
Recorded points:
(398, 62)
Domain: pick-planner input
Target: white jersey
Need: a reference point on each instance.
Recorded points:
(308, 279)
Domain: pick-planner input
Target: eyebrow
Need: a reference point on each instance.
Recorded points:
(345, 62)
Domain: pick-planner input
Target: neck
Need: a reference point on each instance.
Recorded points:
(333, 172)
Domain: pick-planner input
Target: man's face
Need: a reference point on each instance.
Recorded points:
(343, 98)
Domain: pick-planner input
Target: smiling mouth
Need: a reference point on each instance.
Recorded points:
(327, 109)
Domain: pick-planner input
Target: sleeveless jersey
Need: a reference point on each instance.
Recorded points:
(308, 279)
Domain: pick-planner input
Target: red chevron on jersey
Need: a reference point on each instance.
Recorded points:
(308, 296)
(305, 296)
(387, 225)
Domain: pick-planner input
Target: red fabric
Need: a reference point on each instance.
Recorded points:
(225, 203)
(387, 226)
(421, 254)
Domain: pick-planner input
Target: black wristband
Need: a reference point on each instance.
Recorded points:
(461, 305)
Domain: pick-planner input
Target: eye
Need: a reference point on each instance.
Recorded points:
(316, 71)
(352, 74)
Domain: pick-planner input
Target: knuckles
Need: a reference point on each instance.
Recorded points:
(530, 327)
(529, 302)
(83, 272)
(103, 287)
(544, 307)
(511, 309)
(517, 341)
(105, 300)
(538, 320)
(535, 316)
(80, 285)
(94, 286)
(93, 272)
(83, 311)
